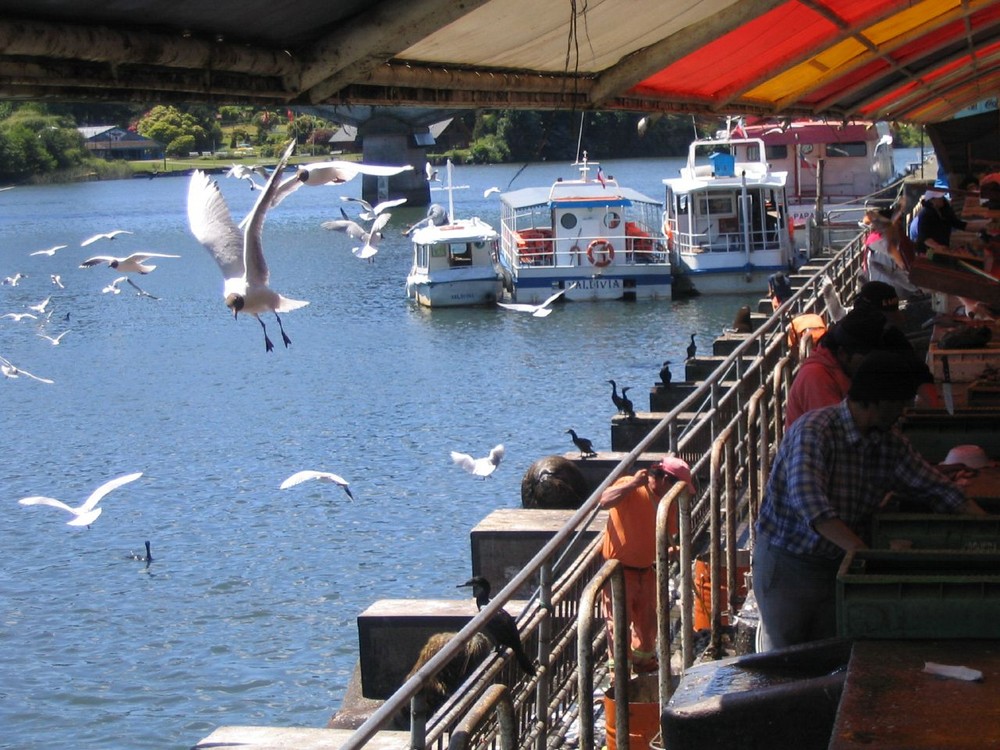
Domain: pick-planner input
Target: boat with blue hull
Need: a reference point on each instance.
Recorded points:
(455, 261)
(727, 220)
(589, 236)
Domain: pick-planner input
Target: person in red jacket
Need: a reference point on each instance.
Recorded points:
(825, 376)
(630, 537)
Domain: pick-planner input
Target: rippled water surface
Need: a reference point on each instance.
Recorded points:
(247, 615)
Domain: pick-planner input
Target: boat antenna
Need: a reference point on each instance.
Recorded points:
(579, 138)
(451, 193)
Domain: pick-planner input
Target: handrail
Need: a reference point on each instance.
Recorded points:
(722, 429)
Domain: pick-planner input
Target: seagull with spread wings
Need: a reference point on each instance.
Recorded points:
(104, 236)
(135, 263)
(240, 255)
(321, 476)
(538, 311)
(480, 467)
(88, 511)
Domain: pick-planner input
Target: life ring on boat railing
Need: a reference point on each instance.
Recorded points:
(604, 248)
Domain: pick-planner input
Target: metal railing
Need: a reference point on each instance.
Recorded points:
(726, 430)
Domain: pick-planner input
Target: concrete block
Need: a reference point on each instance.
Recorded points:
(626, 433)
(664, 398)
(391, 633)
(504, 541)
(296, 738)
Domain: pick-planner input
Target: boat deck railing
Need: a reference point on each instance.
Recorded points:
(726, 430)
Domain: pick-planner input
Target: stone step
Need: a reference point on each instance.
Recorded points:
(295, 738)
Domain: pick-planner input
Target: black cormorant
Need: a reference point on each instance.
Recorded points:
(148, 558)
(627, 408)
(501, 628)
(618, 401)
(586, 447)
(692, 348)
(665, 374)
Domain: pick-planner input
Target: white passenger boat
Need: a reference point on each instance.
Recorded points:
(849, 164)
(727, 219)
(455, 262)
(590, 231)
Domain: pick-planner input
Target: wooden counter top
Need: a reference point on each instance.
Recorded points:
(890, 703)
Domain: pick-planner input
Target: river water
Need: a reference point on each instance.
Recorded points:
(247, 614)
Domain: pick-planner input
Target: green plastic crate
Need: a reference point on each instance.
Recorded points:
(936, 531)
(919, 594)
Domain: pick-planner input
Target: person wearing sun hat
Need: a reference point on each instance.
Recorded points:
(833, 469)
(630, 538)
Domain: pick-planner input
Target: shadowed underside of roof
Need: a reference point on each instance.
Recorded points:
(903, 60)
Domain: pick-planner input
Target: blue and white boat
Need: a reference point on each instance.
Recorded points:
(728, 220)
(591, 232)
(455, 262)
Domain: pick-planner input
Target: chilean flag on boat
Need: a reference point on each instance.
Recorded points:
(600, 177)
(739, 131)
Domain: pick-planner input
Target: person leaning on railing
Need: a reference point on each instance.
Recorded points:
(630, 538)
(833, 469)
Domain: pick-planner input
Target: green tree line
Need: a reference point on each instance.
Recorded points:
(40, 142)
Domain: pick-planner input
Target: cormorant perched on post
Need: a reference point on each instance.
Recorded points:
(501, 628)
(618, 401)
(665, 374)
(692, 348)
(586, 447)
(627, 407)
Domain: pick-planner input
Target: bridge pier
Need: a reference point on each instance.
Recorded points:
(390, 141)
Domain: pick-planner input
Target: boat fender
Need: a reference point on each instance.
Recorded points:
(601, 247)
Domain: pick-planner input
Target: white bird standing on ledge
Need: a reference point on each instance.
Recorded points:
(240, 256)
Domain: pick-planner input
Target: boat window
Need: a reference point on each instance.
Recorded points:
(682, 204)
(777, 152)
(461, 255)
(854, 148)
(612, 219)
(568, 220)
(719, 204)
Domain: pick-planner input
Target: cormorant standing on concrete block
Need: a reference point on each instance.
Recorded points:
(586, 447)
(501, 628)
(692, 350)
(665, 374)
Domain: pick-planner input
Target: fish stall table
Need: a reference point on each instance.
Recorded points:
(889, 702)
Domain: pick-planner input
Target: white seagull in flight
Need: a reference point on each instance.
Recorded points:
(240, 256)
(132, 264)
(480, 467)
(104, 236)
(50, 251)
(369, 212)
(322, 476)
(86, 513)
(368, 237)
(9, 370)
(54, 340)
(538, 311)
(18, 317)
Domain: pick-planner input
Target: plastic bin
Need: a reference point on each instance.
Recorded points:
(936, 531)
(723, 164)
(918, 594)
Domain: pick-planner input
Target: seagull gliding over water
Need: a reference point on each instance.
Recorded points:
(323, 476)
(86, 513)
(480, 467)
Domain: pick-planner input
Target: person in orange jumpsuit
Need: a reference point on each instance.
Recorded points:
(630, 537)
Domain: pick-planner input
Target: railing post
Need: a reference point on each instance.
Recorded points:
(687, 603)
(544, 684)
(494, 696)
(611, 572)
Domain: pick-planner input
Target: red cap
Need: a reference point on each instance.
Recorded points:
(678, 469)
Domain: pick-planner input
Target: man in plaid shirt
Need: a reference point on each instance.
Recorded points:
(834, 468)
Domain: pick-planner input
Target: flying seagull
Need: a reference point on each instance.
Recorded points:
(131, 264)
(480, 467)
(112, 288)
(537, 311)
(139, 291)
(9, 370)
(367, 237)
(54, 340)
(49, 251)
(40, 307)
(322, 476)
(14, 280)
(247, 172)
(369, 212)
(86, 513)
(104, 236)
(18, 317)
(56, 280)
(240, 256)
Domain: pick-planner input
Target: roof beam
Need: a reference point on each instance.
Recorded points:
(353, 51)
(640, 65)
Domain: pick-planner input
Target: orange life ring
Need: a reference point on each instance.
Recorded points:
(602, 246)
